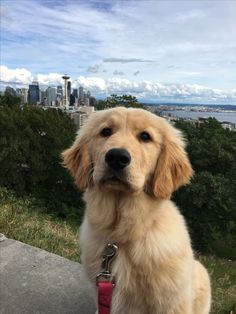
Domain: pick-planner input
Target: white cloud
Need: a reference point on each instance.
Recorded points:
(94, 84)
(144, 89)
(51, 78)
(17, 75)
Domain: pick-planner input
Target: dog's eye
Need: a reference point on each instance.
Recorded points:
(145, 137)
(106, 132)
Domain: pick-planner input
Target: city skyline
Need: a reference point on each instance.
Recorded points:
(53, 96)
(183, 51)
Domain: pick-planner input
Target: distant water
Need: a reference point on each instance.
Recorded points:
(220, 116)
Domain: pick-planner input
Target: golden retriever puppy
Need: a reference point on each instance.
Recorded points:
(129, 162)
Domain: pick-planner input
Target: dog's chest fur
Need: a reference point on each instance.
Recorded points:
(151, 264)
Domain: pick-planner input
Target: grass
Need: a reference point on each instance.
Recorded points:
(223, 282)
(23, 219)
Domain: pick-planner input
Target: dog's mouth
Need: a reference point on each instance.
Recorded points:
(114, 181)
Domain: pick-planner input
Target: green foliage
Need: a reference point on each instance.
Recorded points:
(8, 100)
(211, 148)
(209, 202)
(32, 139)
(117, 101)
(31, 142)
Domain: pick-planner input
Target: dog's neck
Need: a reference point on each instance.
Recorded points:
(119, 216)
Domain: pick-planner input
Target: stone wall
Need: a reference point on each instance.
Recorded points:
(33, 281)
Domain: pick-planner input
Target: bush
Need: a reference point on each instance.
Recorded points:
(209, 202)
(31, 142)
(209, 207)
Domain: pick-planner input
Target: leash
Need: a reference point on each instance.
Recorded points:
(105, 281)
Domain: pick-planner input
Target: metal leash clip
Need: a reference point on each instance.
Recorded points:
(107, 258)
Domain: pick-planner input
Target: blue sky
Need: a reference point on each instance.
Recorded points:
(156, 50)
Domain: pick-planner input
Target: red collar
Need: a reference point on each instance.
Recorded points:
(105, 281)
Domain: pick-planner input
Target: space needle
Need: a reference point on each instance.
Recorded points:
(65, 77)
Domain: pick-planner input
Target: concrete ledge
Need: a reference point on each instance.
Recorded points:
(33, 281)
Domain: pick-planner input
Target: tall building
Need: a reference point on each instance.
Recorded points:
(75, 92)
(68, 89)
(59, 100)
(23, 94)
(10, 90)
(18, 91)
(51, 96)
(33, 93)
(43, 98)
(60, 90)
(81, 94)
(86, 100)
(72, 100)
(92, 101)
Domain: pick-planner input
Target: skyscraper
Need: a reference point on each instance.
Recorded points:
(72, 100)
(60, 91)
(10, 90)
(92, 101)
(81, 94)
(33, 93)
(23, 94)
(85, 100)
(51, 96)
(68, 89)
(43, 98)
(75, 92)
(59, 98)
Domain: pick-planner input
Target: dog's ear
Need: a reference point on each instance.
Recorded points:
(76, 159)
(173, 167)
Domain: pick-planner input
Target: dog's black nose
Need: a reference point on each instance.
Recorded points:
(118, 158)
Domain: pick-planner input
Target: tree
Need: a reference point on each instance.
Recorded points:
(209, 202)
(31, 141)
(116, 101)
(210, 147)
(9, 100)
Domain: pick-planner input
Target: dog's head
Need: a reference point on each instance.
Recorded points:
(129, 150)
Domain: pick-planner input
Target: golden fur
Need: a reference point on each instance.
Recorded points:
(155, 268)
